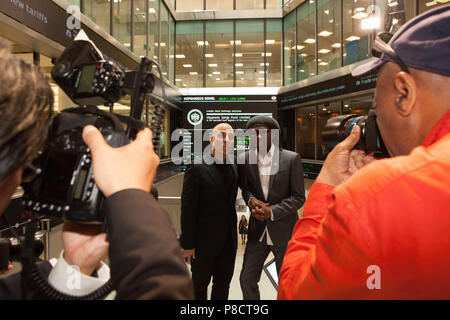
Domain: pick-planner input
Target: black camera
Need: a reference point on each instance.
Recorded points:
(338, 128)
(65, 187)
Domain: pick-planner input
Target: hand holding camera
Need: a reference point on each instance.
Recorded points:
(134, 165)
(343, 161)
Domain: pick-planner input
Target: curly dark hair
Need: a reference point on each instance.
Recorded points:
(26, 104)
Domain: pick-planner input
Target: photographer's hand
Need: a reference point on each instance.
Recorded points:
(84, 246)
(10, 266)
(130, 167)
(343, 161)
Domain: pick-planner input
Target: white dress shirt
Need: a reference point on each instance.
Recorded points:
(264, 170)
(70, 280)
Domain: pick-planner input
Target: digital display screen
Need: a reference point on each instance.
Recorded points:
(58, 174)
(237, 111)
(80, 184)
(87, 75)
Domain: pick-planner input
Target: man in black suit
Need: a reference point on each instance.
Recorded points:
(273, 188)
(208, 217)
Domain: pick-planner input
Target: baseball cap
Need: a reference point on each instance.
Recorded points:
(422, 43)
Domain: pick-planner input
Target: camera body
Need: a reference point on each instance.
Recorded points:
(66, 187)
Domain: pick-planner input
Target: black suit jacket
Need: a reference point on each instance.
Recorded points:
(145, 256)
(286, 196)
(208, 211)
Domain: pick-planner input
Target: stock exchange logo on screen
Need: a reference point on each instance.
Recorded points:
(195, 117)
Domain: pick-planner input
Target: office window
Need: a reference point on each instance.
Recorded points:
(219, 5)
(140, 28)
(122, 22)
(250, 47)
(355, 39)
(189, 5)
(153, 29)
(397, 13)
(358, 105)
(306, 132)
(164, 41)
(189, 54)
(74, 2)
(249, 4)
(326, 111)
(329, 35)
(289, 48)
(274, 4)
(171, 49)
(99, 13)
(425, 5)
(273, 45)
(306, 40)
(219, 54)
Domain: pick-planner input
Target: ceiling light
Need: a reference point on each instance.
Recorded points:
(267, 54)
(393, 4)
(212, 65)
(370, 23)
(261, 79)
(352, 38)
(201, 43)
(238, 55)
(218, 79)
(359, 9)
(261, 72)
(262, 64)
(239, 72)
(301, 70)
(325, 33)
(299, 47)
(209, 55)
(187, 65)
(216, 72)
(151, 10)
(193, 73)
(239, 64)
(237, 42)
(324, 50)
(431, 3)
(178, 80)
(309, 40)
(336, 45)
(127, 44)
(327, 12)
(304, 55)
(270, 41)
(180, 56)
(360, 15)
(324, 109)
(323, 63)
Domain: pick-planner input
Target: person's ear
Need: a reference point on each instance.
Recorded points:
(405, 93)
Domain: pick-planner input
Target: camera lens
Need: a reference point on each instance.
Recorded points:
(340, 127)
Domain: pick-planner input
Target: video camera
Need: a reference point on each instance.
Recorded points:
(65, 187)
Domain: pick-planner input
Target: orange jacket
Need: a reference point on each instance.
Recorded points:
(384, 234)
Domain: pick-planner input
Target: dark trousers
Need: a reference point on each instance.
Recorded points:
(255, 255)
(219, 267)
